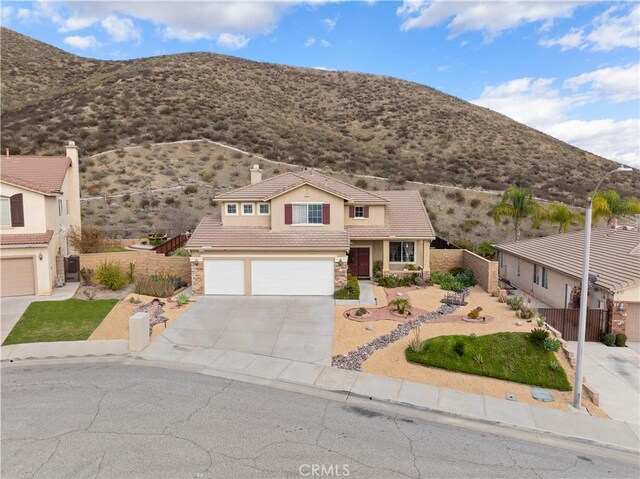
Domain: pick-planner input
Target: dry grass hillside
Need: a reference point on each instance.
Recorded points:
(134, 191)
(343, 121)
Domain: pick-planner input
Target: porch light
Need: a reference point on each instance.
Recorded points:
(40, 256)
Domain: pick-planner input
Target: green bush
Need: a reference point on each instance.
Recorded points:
(416, 344)
(181, 252)
(402, 305)
(554, 365)
(377, 268)
(110, 276)
(154, 285)
(474, 313)
(609, 339)
(621, 340)
(419, 281)
(552, 344)
(486, 250)
(527, 313)
(388, 282)
(350, 291)
(456, 271)
(175, 280)
(458, 348)
(361, 312)
(515, 303)
(538, 336)
(182, 299)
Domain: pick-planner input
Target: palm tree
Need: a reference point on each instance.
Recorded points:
(560, 214)
(517, 204)
(609, 205)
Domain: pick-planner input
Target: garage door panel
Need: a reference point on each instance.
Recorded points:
(292, 277)
(17, 277)
(224, 277)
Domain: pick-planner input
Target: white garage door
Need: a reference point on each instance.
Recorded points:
(16, 277)
(294, 278)
(224, 277)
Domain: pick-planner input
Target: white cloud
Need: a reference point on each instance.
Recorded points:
(616, 27)
(443, 68)
(491, 18)
(7, 13)
(541, 105)
(618, 84)
(310, 42)
(82, 43)
(328, 23)
(325, 43)
(121, 29)
(232, 42)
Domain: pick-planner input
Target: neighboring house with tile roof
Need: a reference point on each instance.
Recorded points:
(39, 203)
(550, 270)
(301, 233)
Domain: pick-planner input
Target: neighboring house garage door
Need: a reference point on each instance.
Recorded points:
(17, 277)
(632, 329)
(224, 277)
(293, 277)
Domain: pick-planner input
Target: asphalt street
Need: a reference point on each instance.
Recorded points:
(123, 421)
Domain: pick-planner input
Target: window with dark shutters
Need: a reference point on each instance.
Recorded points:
(366, 211)
(326, 213)
(17, 210)
(352, 211)
(288, 215)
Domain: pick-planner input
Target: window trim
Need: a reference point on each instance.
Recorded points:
(8, 200)
(355, 213)
(226, 209)
(402, 253)
(545, 278)
(253, 209)
(268, 209)
(321, 223)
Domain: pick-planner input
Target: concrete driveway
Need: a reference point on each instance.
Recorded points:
(615, 374)
(297, 328)
(11, 308)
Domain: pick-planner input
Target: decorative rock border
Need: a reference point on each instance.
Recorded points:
(354, 359)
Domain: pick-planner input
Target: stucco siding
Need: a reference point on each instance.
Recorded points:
(376, 217)
(307, 194)
(33, 205)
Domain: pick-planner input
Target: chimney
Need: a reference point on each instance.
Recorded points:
(256, 174)
(73, 184)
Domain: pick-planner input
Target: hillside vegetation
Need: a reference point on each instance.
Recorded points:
(343, 121)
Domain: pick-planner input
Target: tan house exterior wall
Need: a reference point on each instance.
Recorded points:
(32, 203)
(307, 194)
(146, 262)
(376, 216)
(255, 219)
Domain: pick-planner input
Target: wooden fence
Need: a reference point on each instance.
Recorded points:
(566, 321)
(171, 244)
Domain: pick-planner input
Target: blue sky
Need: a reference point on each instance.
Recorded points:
(570, 69)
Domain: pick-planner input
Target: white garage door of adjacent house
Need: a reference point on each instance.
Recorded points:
(224, 277)
(292, 278)
(17, 277)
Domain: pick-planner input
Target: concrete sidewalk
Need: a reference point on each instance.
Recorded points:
(65, 349)
(269, 370)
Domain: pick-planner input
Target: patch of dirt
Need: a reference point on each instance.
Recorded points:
(99, 292)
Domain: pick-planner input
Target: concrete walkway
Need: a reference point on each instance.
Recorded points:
(11, 308)
(615, 375)
(270, 370)
(367, 298)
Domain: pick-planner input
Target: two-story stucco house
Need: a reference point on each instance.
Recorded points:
(300, 233)
(39, 203)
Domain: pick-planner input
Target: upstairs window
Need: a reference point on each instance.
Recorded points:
(5, 212)
(307, 214)
(247, 208)
(263, 208)
(358, 212)
(402, 251)
(232, 209)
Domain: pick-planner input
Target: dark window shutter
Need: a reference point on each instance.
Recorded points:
(17, 210)
(288, 215)
(352, 211)
(366, 211)
(326, 214)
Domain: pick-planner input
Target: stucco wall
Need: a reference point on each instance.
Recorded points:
(245, 220)
(376, 216)
(146, 262)
(34, 209)
(44, 268)
(307, 194)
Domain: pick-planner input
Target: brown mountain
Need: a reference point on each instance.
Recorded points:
(343, 121)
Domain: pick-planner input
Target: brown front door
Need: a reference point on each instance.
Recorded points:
(359, 262)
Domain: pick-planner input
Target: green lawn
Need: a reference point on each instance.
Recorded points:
(69, 320)
(114, 249)
(507, 356)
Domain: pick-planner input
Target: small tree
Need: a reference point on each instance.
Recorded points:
(561, 215)
(609, 205)
(177, 219)
(517, 204)
(89, 239)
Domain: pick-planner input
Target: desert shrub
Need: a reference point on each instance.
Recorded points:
(527, 313)
(515, 303)
(459, 347)
(474, 203)
(457, 281)
(541, 321)
(609, 339)
(175, 280)
(419, 281)
(131, 272)
(88, 239)
(478, 359)
(377, 268)
(552, 344)
(361, 312)
(621, 340)
(350, 291)
(388, 282)
(456, 271)
(554, 365)
(362, 183)
(110, 276)
(182, 299)
(465, 244)
(191, 189)
(473, 336)
(538, 336)
(402, 305)
(486, 250)
(181, 252)
(134, 300)
(416, 344)
(474, 313)
(154, 285)
(405, 281)
(86, 276)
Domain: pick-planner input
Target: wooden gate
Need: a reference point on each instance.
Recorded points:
(72, 269)
(566, 321)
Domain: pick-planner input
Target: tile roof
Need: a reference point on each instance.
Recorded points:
(26, 238)
(277, 185)
(211, 234)
(406, 217)
(44, 174)
(612, 255)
